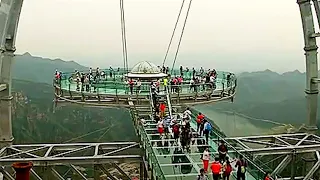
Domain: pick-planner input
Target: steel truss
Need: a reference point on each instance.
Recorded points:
(277, 144)
(288, 145)
(49, 156)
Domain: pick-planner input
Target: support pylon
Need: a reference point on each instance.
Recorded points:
(22, 170)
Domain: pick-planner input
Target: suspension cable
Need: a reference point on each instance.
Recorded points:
(174, 30)
(124, 38)
(184, 25)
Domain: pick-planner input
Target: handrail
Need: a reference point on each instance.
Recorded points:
(169, 102)
(123, 72)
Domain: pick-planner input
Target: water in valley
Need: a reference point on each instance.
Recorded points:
(234, 124)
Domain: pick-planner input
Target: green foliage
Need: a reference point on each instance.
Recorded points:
(35, 122)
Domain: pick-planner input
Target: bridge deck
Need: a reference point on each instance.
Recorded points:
(165, 155)
(174, 164)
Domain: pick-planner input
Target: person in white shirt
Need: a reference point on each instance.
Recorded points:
(191, 84)
(187, 114)
(139, 86)
(160, 127)
(213, 82)
(206, 159)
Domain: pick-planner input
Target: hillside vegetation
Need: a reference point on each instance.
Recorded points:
(35, 122)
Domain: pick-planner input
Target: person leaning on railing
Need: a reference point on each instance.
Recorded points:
(242, 165)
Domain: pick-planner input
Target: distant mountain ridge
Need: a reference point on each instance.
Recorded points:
(38, 69)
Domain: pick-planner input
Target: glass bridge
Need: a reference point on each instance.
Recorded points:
(113, 83)
(167, 161)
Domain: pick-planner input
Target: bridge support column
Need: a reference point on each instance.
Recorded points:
(9, 18)
(22, 170)
(6, 137)
(311, 64)
(311, 70)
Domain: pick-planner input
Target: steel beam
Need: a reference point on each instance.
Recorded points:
(73, 160)
(107, 172)
(283, 141)
(289, 178)
(283, 150)
(78, 172)
(283, 164)
(268, 136)
(242, 144)
(313, 169)
(75, 144)
(20, 151)
(72, 151)
(57, 159)
(56, 174)
(262, 142)
(303, 139)
(34, 174)
(122, 172)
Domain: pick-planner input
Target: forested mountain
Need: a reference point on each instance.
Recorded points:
(269, 95)
(34, 120)
(38, 69)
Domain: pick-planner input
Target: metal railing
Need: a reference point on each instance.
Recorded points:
(255, 168)
(147, 146)
(123, 89)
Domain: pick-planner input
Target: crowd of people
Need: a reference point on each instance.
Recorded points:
(180, 130)
(199, 80)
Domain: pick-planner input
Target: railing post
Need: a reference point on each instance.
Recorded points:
(117, 97)
(178, 89)
(70, 94)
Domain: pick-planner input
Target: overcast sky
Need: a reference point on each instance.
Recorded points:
(234, 35)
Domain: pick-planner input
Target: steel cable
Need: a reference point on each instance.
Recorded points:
(124, 38)
(174, 30)
(184, 25)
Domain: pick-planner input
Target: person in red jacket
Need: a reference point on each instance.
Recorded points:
(267, 176)
(162, 109)
(216, 168)
(200, 119)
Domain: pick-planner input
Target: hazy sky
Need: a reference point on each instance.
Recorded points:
(234, 35)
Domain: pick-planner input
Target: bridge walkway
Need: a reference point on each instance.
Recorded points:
(166, 159)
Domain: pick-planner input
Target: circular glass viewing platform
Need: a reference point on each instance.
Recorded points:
(111, 87)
